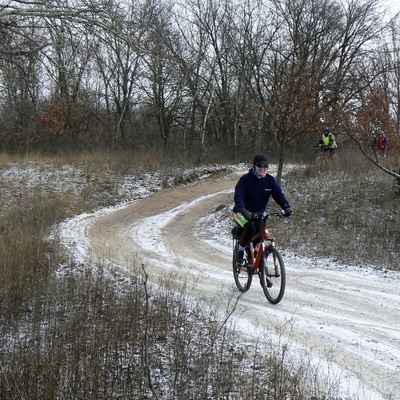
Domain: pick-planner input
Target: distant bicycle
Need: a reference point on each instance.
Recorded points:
(263, 260)
(380, 152)
(324, 158)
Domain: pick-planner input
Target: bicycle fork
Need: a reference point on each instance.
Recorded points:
(255, 254)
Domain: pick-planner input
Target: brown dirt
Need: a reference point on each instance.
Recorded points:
(344, 317)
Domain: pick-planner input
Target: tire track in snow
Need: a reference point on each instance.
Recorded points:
(348, 317)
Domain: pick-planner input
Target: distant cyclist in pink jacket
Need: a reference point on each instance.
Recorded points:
(380, 144)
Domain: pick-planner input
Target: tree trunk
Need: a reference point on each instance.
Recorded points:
(281, 161)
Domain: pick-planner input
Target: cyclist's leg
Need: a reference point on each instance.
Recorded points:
(248, 232)
(249, 229)
(258, 224)
(242, 271)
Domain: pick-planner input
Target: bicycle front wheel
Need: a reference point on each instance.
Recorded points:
(243, 274)
(321, 161)
(273, 275)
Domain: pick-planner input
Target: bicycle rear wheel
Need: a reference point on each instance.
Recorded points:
(243, 274)
(273, 275)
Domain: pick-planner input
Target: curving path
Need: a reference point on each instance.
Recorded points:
(347, 320)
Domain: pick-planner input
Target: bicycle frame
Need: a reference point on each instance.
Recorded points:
(381, 151)
(324, 157)
(265, 242)
(267, 264)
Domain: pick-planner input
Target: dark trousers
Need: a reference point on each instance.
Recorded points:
(250, 228)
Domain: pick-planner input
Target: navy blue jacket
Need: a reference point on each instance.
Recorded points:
(253, 193)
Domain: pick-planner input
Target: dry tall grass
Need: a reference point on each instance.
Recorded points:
(92, 333)
(348, 211)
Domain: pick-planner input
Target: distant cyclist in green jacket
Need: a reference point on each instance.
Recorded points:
(327, 141)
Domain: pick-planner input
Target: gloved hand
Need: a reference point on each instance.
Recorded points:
(287, 212)
(245, 213)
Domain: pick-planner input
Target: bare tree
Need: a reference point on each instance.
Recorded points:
(215, 80)
(309, 68)
(378, 107)
(119, 58)
(245, 74)
(288, 60)
(163, 84)
(43, 39)
(391, 56)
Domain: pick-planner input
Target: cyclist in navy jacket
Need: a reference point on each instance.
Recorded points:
(252, 193)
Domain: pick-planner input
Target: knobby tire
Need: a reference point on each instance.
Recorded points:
(321, 161)
(243, 274)
(273, 275)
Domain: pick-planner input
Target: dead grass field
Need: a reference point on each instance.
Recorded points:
(91, 333)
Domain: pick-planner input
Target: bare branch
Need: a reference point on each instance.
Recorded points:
(376, 162)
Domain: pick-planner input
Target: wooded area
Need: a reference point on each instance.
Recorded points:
(194, 75)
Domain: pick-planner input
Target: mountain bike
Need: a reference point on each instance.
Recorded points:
(324, 158)
(263, 260)
(380, 152)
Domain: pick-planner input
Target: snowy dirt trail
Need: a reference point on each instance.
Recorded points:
(347, 318)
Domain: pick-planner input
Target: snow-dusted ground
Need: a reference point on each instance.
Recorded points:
(312, 313)
(347, 316)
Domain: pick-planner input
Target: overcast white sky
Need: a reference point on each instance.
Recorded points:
(393, 6)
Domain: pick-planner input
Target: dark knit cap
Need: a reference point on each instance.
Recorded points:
(260, 159)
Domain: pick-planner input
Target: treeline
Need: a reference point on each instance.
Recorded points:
(195, 75)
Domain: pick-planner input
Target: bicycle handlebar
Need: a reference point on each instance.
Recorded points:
(265, 215)
(322, 147)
